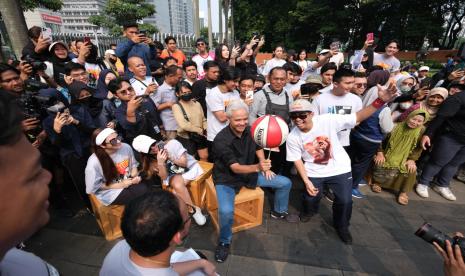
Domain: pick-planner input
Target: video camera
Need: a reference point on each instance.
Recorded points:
(430, 234)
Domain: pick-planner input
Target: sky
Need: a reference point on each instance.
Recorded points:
(204, 11)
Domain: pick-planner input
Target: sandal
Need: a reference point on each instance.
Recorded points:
(402, 199)
(376, 188)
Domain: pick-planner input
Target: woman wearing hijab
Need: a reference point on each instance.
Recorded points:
(366, 138)
(431, 104)
(57, 61)
(395, 168)
(109, 101)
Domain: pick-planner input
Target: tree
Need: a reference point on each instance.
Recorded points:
(54, 5)
(120, 12)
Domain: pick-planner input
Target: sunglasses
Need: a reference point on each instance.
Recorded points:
(301, 116)
(361, 84)
(115, 141)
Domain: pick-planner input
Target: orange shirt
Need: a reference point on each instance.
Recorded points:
(178, 54)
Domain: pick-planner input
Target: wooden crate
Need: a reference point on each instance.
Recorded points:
(108, 218)
(197, 187)
(248, 207)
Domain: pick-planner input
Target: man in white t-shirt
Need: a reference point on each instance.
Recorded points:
(314, 147)
(327, 72)
(142, 84)
(314, 68)
(153, 225)
(293, 78)
(202, 56)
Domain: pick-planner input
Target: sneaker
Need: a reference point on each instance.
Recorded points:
(357, 194)
(199, 218)
(422, 190)
(305, 217)
(221, 252)
(285, 215)
(329, 195)
(363, 182)
(345, 236)
(445, 192)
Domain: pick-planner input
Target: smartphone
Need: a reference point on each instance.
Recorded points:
(160, 145)
(249, 94)
(237, 43)
(46, 33)
(370, 36)
(143, 32)
(460, 66)
(142, 96)
(86, 40)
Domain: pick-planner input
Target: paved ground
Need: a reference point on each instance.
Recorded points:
(384, 243)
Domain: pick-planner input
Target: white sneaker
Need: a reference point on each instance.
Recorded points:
(422, 190)
(199, 218)
(445, 192)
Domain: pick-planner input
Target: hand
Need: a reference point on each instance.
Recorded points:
(84, 51)
(151, 88)
(453, 260)
(25, 68)
(425, 142)
(149, 41)
(387, 94)
(162, 156)
(61, 119)
(379, 159)
(111, 124)
(421, 93)
(269, 174)
(71, 120)
(135, 180)
(138, 38)
(42, 44)
(254, 40)
(40, 139)
(235, 52)
(30, 124)
(457, 74)
(311, 190)
(368, 43)
(248, 101)
(208, 268)
(264, 165)
(133, 105)
(411, 166)
(68, 79)
(261, 42)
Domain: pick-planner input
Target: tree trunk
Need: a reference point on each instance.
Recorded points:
(220, 15)
(210, 36)
(226, 19)
(196, 19)
(15, 24)
(233, 35)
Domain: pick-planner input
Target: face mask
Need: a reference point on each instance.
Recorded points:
(405, 106)
(85, 100)
(405, 89)
(186, 97)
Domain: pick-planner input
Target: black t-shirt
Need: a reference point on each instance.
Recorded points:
(229, 149)
(247, 68)
(199, 92)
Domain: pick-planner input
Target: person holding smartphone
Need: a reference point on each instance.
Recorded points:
(387, 60)
(141, 82)
(136, 44)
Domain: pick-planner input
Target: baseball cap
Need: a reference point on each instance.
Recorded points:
(260, 77)
(110, 52)
(314, 79)
(103, 135)
(424, 68)
(55, 43)
(301, 105)
(324, 51)
(143, 143)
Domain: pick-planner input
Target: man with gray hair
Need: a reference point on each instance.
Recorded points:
(234, 167)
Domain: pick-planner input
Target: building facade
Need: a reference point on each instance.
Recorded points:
(76, 13)
(44, 18)
(172, 16)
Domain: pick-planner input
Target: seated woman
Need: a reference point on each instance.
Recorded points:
(191, 121)
(395, 161)
(173, 165)
(431, 104)
(111, 172)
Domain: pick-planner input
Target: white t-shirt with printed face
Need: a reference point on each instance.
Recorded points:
(342, 105)
(141, 86)
(217, 101)
(320, 149)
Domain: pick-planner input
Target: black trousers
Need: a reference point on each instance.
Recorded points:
(130, 193)
(76, 166)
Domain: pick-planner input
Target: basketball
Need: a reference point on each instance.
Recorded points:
(269, 131)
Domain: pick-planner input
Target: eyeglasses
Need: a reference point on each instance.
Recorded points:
(359, 85)
(115, 141)
(126, 92)
(301, 116)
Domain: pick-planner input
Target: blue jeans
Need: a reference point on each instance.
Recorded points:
(341, 185)
(447, 155)
(225, 196)
(361, 154)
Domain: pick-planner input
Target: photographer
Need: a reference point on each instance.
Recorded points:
(136, 44)
(37, 45)
(88, 56)
(136, 115)
(453, 259)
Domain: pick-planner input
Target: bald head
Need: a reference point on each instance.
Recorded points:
(137, 67)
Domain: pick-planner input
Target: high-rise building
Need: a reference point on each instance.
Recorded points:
(76, 13)
(172, 16)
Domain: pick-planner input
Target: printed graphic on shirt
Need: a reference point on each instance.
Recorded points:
(319, 149)
(123, 168)
(340, 109)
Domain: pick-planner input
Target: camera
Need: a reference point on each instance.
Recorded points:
(36, 65)
(430, 234)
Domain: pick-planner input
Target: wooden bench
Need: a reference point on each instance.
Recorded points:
(197, 187)
(108, 218)
(248, 207)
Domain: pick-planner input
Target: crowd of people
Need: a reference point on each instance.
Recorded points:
(124, 125)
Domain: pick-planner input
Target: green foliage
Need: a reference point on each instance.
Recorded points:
(120, 12)
(309, 23)
(54, 5)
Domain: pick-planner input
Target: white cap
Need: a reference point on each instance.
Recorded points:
(324, 51)
(103, 135)
(110, 52)
(424, 68)
(57, 42)
(142, 143)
